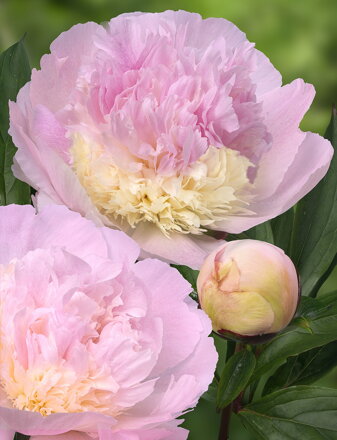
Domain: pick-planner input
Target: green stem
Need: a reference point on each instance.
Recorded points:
(231, 349)
(225, 421)
(227, 411)
(254, 385)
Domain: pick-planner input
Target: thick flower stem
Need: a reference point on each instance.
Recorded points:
(225, 421)
(234, 406)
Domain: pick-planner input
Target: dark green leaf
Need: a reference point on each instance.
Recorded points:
(14, 73)
(261, 232)
(304, 368)
(235, 377)
(282, 227)
(19, 436)
(295, 413)
(210, 394)
(316, 325)
(223, 347)
(315, 238)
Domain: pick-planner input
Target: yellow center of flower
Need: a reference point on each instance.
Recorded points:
(202, 196)
(54, 389)
(47, 387)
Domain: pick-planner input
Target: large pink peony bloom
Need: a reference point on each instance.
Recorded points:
(165, 125)
(92, 344)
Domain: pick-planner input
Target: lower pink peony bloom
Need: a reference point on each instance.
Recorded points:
(92, 344)
(165, 126)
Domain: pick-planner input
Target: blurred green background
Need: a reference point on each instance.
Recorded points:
(299, 36)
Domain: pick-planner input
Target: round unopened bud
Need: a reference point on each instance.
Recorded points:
(248, 288)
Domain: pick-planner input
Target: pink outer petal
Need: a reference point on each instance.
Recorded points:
(44, 168)
(6, 434)
(72, 435)
(203, 360)
(47, 130)
(120, 246)
(21, 230)
(283, 110)
(179, 248)
(266, 77)
(27, 155)
(166, 432)
(33, 423)
(54, 182)
(52, 86)
(309, 166)
(167, 285)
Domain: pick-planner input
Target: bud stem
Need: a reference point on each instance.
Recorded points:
(227, 411)
(225, 420)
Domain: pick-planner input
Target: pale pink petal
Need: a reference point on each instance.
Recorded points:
(120, 246)
(72, 435)
(21, 230)
(203, 357)
(166, 432)
(283, 109)
(47, 130)
(266, 77)
(178, 248)
(174, 318)
(57, 177)
(52, 85)
(6, 434)
(307, 169)
(28, 164)
(32, 423)
(15, 221)
(309, 166)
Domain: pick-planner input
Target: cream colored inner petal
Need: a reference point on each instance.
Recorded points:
(211, 189)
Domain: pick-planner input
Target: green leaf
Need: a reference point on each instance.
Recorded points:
(282, 227)
(210, 394)
(316, 325)
(235, 377)
(19, 436)
(315, 235)
(14, 73)
(301, 412)
(261, 232)
(304, 368)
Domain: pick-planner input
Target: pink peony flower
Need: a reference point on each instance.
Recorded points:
(92, 344)
(164, 126)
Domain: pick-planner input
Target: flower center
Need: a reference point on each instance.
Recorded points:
(55, 389)
(200, 197)
(33, 374)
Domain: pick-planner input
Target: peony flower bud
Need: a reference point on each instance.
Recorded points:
(249, 288)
